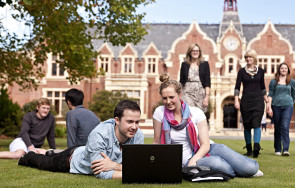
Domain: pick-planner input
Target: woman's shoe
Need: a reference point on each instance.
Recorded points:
(278, 153)
(258, 173)
(286, 153)
(249, 150)
(256, 150)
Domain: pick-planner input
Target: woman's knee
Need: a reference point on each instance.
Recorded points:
(248, 169)
(217, 163)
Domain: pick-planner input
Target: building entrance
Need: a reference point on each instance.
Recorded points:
(229, 115)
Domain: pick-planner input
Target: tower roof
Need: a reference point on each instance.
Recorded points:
(230, 14)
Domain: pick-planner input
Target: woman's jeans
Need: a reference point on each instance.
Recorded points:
(257, 135)
(224, 159)
(282, 116)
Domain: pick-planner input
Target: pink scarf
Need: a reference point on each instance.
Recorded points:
(170, 122)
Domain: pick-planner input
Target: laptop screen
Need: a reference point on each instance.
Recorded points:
(151, 163)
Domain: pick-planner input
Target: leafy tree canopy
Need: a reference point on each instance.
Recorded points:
(66, 28)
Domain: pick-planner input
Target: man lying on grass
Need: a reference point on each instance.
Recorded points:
(102, 154)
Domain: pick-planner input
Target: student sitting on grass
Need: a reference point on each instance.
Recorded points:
(102, 154)
(36, 126)
(80, 121)
(177, 123)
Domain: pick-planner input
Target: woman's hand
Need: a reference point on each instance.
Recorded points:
(237, 105)
(192, 162)
(269, 110)
(206, 101)
(40, 151)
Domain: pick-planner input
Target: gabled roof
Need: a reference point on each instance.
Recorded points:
(163, 35)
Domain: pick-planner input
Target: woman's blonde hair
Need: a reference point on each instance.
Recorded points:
(251, 53)
(188, 56)
(164, 78)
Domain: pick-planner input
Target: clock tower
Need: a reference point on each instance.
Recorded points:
(230, 16)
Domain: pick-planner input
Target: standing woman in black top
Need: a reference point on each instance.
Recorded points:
(252, 104)
(195, 78)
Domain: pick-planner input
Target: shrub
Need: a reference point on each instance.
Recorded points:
(10, 115)
(104, 102)
(60, 131)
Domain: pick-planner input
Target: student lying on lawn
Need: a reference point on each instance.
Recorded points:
(102, 154)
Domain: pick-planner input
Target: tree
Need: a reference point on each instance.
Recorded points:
(66, 28)
(104, 102)
(10, 115)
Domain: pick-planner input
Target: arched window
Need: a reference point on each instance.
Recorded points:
(230, 65)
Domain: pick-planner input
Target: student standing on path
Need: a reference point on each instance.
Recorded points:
(252, 104)
(281, 100)
(195, 78)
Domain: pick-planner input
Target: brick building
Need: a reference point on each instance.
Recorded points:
(135, 69)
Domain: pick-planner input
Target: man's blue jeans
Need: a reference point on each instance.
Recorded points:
(226, 160)
(282, 116)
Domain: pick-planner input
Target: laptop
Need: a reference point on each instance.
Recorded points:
(151, 163)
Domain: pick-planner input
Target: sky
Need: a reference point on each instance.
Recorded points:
(202, 11)
(211, 11)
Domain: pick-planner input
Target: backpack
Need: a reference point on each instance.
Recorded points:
(203, 173)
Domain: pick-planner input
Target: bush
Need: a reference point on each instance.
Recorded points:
(60, 131)
(104, 102)
(10, 115)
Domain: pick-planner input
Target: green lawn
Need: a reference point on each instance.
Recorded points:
(278, 172)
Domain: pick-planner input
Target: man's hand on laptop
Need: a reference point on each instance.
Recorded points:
(104, 165)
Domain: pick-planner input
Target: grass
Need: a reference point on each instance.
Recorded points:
(278, 172)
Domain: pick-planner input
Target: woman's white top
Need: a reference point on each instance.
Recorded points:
(179, 136)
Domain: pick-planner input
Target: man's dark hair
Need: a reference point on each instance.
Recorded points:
(125, 105)
(75, 96)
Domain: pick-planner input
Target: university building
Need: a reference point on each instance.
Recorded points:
(135, 69)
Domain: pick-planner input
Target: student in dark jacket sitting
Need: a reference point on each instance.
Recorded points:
(36, 126)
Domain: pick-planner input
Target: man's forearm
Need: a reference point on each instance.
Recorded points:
(117, 175)
(117, 167)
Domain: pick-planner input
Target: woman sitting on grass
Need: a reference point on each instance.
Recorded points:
(192, 133)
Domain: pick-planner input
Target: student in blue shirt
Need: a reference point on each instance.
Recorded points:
(102, 154)
(281, 99)
(80, 121)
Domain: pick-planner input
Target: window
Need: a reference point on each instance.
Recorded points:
(269, 41)
(151, 65)
(104, 63)
(262, 62)
(55, 69)
(270, 63)
(58, 101)
(134, 94)
(230, 65)
(127, 65)
(274, 64)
